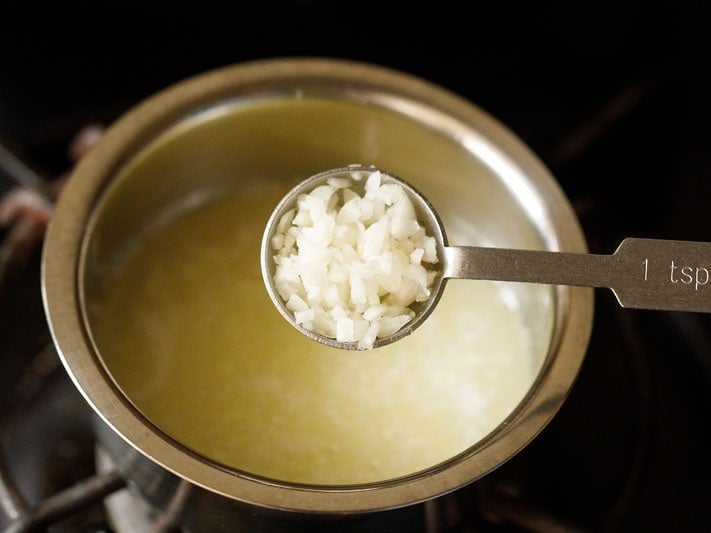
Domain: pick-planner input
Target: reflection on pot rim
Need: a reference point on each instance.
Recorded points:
(62, 264)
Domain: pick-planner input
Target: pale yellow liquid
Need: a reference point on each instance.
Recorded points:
(187, 330)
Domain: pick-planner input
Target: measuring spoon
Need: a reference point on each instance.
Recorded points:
(642, 273)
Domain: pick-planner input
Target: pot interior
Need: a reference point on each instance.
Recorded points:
(178, 315)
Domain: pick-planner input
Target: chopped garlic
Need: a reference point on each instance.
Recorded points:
(349, 267)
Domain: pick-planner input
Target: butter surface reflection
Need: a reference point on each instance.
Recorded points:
(187, 330)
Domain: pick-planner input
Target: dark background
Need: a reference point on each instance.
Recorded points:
(546, 72)
(613, 96)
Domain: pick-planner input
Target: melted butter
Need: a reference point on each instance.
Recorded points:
(188, 332)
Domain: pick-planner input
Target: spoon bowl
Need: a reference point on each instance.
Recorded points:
(426, 216)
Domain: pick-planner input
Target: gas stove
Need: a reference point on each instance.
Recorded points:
(620, 118)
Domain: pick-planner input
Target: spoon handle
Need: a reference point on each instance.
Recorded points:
(643, 273)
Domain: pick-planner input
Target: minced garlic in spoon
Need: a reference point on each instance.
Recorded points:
(346, 259)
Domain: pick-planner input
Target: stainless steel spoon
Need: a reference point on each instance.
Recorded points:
(642, 273)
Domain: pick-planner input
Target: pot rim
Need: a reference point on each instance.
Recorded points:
(62, 263)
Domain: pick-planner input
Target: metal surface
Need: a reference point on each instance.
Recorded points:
(653, 274)
(67, 502)
(12, 504)
(18, 171)
(643, 273)
(518, 196)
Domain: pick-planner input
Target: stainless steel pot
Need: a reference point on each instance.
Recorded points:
(488, 187)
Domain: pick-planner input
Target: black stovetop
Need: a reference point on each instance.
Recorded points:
(615, 101)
